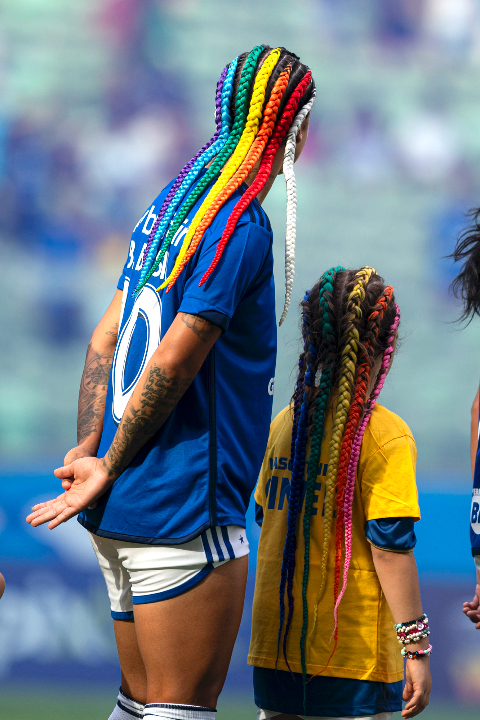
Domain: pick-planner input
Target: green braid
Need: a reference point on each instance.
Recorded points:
(320, 411)
(348, 362)
(241, 108)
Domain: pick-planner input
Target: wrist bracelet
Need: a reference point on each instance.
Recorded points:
(408, 655)
(412, 631)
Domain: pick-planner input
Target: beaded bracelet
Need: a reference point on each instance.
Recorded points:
(408, 655)
(412, 631)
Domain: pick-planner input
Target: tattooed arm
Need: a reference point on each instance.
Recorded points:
(93, 386)
(167, 376)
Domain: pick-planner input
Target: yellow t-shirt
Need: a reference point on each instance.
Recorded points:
(385, 487)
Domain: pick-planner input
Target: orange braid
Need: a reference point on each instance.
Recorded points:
(354, 416)
(263, 135)
(264, 169)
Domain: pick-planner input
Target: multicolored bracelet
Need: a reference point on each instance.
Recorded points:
(412, 631)
(417, 654)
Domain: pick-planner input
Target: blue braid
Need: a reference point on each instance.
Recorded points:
(298, 471)
(204, 159)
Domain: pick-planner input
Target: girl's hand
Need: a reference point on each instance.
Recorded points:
(472, 609)
(417, 687)
(90, 482)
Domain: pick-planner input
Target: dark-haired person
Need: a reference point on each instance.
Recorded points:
(337, 502)
(466, 286)
(176, 397)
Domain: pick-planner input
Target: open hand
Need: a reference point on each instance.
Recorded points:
(417, 686)
(472, 609)
(90, 482)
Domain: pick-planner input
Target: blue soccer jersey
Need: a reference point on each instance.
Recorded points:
(200, 469)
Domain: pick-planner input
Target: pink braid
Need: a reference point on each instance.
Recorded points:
(355, 456)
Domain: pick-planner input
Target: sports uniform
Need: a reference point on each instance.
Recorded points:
(475, 509)
(364, 675)
(193, 479)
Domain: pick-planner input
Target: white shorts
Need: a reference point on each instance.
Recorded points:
(266, 714)
(137, 573)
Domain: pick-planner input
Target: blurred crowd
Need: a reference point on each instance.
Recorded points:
(90, 131)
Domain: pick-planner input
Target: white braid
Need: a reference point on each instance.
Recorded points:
(291, 231)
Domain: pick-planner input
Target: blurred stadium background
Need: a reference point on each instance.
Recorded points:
(101, 103)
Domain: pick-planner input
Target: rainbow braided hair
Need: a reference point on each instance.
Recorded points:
(308, 364)
(187, 177)
(185, 170)
(269, 93)
(320, 408)
(356, 410)
(340, 343)
(357, 444)
(349, 344)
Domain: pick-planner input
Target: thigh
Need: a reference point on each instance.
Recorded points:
(134, 677)
(186, 642)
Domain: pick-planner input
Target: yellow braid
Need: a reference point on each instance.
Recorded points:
(346, 383)
(255, 114)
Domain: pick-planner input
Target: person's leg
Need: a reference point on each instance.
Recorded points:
(134, 676)
(132, 694)
(186, 642)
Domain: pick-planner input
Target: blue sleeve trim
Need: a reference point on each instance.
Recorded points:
(174, 592)
(217, 318)
(196, 306)
(395, 534)
(258, 514)
(122, 615)
(121, 282)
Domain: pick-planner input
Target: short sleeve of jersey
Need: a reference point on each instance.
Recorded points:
(387, 480)
(239, 266)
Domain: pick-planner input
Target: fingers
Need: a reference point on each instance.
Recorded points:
(407, 691)
(67, 484)
(417, 703)
(46, 513)
(64, 472)
(63, 517)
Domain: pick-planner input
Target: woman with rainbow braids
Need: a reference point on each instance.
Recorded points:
(337, 502)
(176, 397)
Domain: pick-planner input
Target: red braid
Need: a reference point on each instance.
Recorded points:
(263, 171)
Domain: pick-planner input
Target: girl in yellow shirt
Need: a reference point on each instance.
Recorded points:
(337, 502)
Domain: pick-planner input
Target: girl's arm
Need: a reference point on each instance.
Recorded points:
(474, 432)
(397, 573)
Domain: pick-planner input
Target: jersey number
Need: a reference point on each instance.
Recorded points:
(147, 308)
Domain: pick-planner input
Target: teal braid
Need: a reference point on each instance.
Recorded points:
(329, 342)
(149, 266)
(241, 109)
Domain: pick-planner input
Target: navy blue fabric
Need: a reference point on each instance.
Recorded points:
(395, 534)
(258, 514)
(200, 469)
(282, 692)
(475, 506)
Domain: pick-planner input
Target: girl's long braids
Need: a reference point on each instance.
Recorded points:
(269, 93)
(348, 346)
(356, 412)
(348, 320)
(357, 444)
(327, 358)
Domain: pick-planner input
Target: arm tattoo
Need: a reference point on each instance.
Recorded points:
(202, 328)
(93, 390)
(161, 392)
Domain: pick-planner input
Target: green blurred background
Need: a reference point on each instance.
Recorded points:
(101, 103)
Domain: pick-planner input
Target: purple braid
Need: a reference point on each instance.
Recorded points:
(356, 447)
(184, 172)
